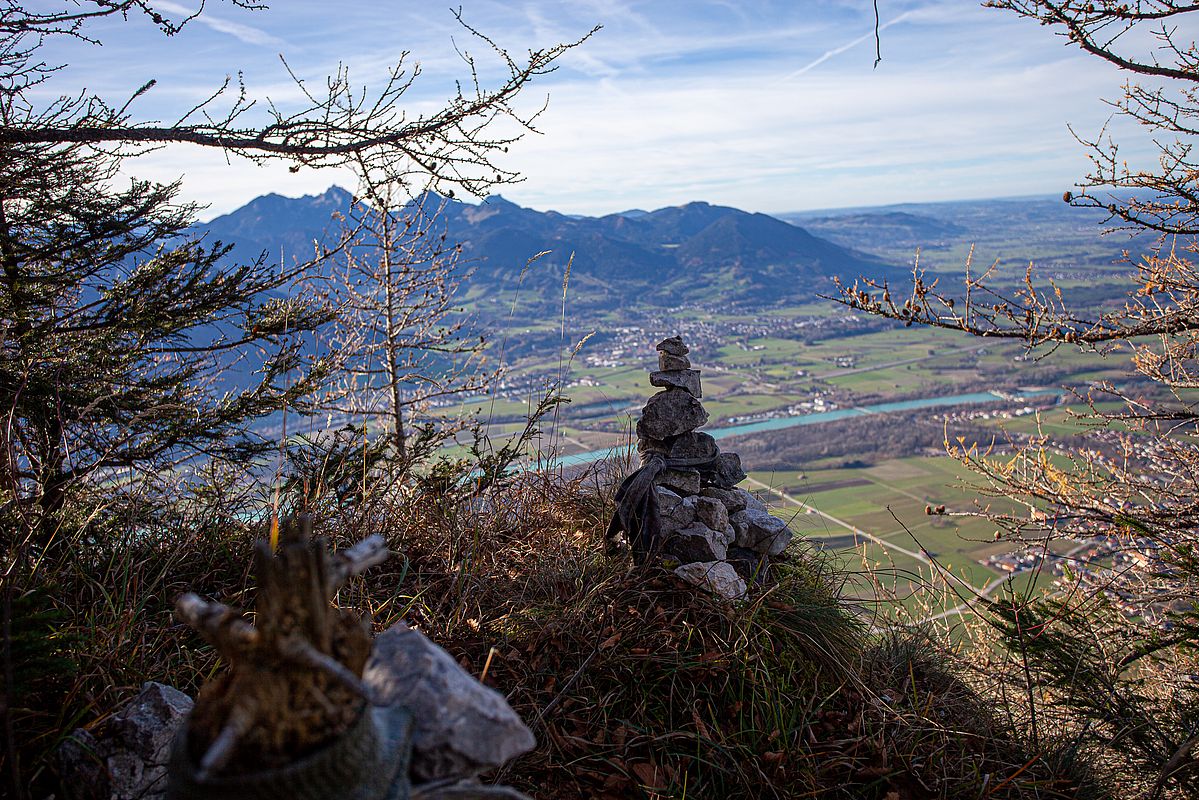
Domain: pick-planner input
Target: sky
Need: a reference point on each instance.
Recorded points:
(766, 105)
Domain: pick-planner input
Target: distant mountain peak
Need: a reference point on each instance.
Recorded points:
(500, 201)
(696, 252)
(337, 194)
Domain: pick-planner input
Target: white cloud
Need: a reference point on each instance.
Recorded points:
(247, 34)
(678, 100)
(836, 51)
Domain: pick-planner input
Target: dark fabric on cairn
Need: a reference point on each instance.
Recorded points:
(637, 514)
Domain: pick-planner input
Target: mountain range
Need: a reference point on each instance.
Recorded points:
(693, 253)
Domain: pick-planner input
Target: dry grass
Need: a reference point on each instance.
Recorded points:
(635, 684)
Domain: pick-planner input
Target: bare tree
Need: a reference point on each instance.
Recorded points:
(1108, 659)
(340, 124)
(405, 344)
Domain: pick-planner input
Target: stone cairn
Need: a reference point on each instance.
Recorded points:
(722, 535)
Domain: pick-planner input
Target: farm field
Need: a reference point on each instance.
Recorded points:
(872, 521)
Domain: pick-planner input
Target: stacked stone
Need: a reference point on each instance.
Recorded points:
(721, 534)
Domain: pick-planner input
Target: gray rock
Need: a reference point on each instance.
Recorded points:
(667, 500)
(679, 515)
(673, 346)
(732, 499)
(727, 472)
(711, 512)
(468, 789)
(695, 445)
(686, 379)
(462, 727)
(751, 500)
(126, 758)
(718, 577)
(669, 363)
(645, 445)
(696, 543)
(670, 413)
(751, 566)
(683, 481)
(760, 531)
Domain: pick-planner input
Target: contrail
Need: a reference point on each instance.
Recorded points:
(839, 50)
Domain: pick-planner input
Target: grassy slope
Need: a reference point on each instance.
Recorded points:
(636, 685)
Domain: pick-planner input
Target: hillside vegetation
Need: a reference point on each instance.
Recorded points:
(166, 403)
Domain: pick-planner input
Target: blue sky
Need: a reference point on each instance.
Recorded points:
(762, 104)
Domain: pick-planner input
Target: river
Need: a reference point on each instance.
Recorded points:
(779, 423)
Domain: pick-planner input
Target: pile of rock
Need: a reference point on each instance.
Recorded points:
(723, 535)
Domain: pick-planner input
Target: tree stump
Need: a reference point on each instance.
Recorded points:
(293, 689)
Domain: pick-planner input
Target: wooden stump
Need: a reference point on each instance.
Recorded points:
(294, 678)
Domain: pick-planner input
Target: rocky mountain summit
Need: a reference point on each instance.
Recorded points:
(695, 252)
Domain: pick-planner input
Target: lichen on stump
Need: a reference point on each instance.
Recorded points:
(294, 679)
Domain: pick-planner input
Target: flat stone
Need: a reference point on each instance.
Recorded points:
(696, 446)
(727, 473)
(670, 413)
(683, 481)
(711, 512)
(127, 756)
(718, 577)
(686, 379)
(760, 531)
(732, 499)
(696, 543)
(462, 727)
(669, 363)
(673, 346)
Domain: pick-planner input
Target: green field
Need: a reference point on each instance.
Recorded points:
(910, 552)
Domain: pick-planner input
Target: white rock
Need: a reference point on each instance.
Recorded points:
(760, 531)
(127, 758)
(750, 500)
(712, 513)
(461, 726)
(715, 576)
(667, 499)
(697, 543)
(680, 514)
